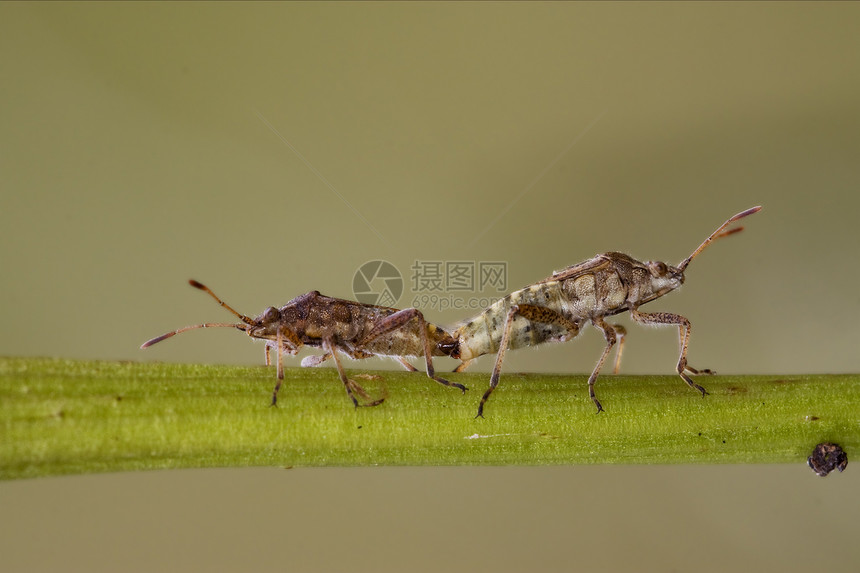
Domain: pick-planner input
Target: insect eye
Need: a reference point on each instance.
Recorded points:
(271, 314)
(658, 269)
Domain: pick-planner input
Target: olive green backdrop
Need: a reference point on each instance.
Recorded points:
(270, 149)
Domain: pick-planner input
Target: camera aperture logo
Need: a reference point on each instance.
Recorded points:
(377, 282)
(436, 284)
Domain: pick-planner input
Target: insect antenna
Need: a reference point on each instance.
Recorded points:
(718, 234)
(149, 343)
(206, 289)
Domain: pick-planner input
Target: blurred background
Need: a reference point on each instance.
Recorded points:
(269, 149)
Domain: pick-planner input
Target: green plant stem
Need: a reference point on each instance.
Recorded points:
(67, 417)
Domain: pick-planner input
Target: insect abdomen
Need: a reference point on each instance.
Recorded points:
(483, 334)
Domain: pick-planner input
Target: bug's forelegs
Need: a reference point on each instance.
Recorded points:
(280, 350)
(658, 318)
(285, 341)
(687, 367)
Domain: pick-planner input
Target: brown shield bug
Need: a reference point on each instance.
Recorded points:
(336, 325)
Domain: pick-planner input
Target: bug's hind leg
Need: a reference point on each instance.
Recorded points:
(536, 314)
(399, 320)
(405, 363)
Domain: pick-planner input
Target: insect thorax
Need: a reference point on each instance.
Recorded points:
(577, 298)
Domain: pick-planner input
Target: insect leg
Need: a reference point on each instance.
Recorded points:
(620, 334)
(683, 324)
(462, 366)
(612, 335)
(315, 360)
(286, 340)
(280, 347)
(406, 364)
(687, 367)
(692, 370)
(268, 348)
(350, 385)
(532, 313)
(399, 320)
